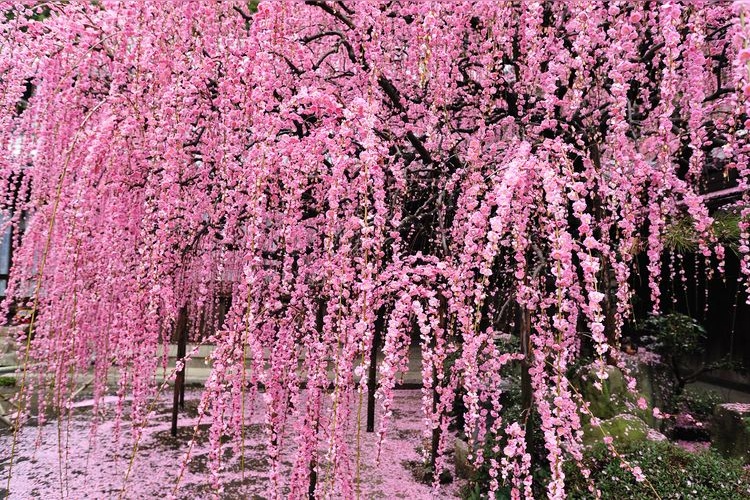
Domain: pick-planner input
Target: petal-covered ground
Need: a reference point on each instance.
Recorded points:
(95, 468)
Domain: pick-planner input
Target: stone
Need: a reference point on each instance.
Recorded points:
(687, 428)
(656, 436)
(613, 398)
(608, 401)
(646, 375)
(623, 428)
(464, 468)
(8, 346)
(730, 430)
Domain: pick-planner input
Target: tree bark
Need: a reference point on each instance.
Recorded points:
(179, 382)
(372, 383)
(312, 486)
(526, 388)
(435, 444)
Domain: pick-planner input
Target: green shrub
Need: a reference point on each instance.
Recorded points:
(672, 472)
(673, 335)
(700, 403)
(680, 341)
(6, 381)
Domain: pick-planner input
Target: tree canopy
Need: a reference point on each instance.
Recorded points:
(447, 170)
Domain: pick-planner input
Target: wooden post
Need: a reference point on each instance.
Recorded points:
(526, 387)
(179, 382)
(372, 384)
(435, 444)
(181, 353)
(313, 481)
(312, 486)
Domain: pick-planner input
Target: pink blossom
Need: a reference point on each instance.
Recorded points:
(374, 177)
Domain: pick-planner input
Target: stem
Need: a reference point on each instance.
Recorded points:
(37, 289)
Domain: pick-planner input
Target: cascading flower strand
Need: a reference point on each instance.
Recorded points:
(434, 169)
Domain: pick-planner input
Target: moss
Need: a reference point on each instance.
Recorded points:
(614, 398)
(624, 429)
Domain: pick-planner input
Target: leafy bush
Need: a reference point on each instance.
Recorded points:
(679, 340)
(672, 472)
(676, 335)
(699, 403)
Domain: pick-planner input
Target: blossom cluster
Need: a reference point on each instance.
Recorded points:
(415, 174)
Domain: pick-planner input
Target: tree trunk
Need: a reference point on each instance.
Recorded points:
(435, 444)
(312, 486)
(526, 388)
(372, 384)
(610, 308)
(179, 382)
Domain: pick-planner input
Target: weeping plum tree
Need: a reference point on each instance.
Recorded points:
(451, 170)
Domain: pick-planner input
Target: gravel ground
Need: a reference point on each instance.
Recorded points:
(94, 467)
